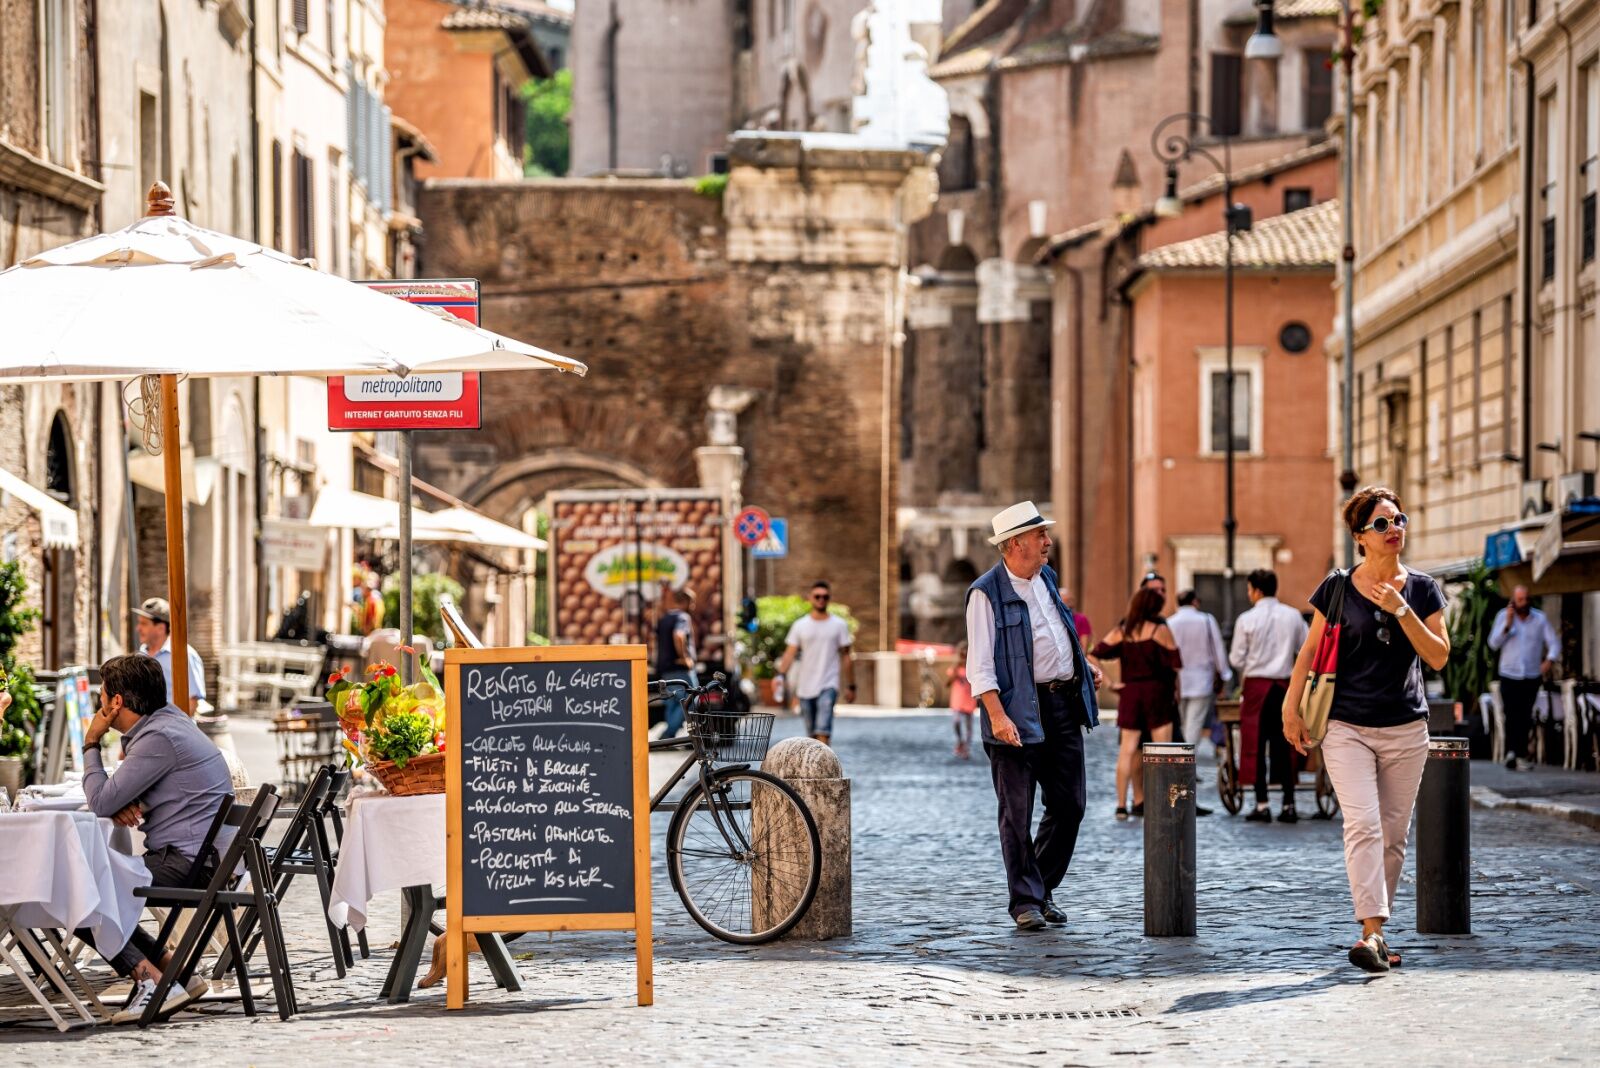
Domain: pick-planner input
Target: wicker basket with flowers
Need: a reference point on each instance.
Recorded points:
(394, 731)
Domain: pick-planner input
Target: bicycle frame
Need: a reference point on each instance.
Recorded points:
(715, 802)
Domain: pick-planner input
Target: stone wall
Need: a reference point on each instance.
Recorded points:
(787, 287)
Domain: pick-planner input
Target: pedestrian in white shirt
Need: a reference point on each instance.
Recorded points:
(153, 622)
(1266, 640)
(821, 642)
(1528, 649)
(1205, 663)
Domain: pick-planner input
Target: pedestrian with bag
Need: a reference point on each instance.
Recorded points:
(1357, 691)
(1037, 691)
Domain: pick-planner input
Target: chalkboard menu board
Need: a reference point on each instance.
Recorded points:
(548, 818)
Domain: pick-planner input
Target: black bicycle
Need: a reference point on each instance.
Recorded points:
(742, 847)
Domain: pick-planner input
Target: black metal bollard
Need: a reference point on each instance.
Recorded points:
(1169, 800)
(1444, 847)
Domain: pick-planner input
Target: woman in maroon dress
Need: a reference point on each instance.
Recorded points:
(1147, 698)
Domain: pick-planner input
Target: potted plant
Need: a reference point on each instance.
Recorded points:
(20, 718)
(394, 731)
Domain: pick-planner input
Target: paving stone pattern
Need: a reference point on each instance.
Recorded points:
(935, 974)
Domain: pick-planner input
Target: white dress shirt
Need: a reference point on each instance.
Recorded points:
(1052, 649)
(1524, 644)
(1200, 644)
(1266, 640)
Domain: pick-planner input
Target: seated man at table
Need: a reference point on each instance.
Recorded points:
(171, 781)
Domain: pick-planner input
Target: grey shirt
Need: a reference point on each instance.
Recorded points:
(174, 771)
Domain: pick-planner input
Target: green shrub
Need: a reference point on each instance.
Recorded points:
(425, 616)
(21, 720)
(761, 651)
(711, 185)
(1472, 663)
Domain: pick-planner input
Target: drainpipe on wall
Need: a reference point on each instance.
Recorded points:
(1528, 113)
(1075, 572)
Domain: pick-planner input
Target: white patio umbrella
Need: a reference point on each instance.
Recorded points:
(166, 298)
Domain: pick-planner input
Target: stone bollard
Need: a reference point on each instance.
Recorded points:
(814, 771)
(1444, 839)
(1169, 854)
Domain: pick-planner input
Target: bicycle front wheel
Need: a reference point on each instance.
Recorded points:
(746, 857)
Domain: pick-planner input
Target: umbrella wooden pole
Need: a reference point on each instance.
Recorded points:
(408, 669)
(177, 587)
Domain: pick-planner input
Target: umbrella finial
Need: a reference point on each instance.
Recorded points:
(159, 200)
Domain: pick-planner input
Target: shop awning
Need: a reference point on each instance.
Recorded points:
(1573, 531)
(381, 519)
(59, 522)
(349, 510)
(465, 527)
(199, 476)
(1558, 552)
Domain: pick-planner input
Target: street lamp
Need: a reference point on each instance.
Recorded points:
(1174, 148)
(1264, 43)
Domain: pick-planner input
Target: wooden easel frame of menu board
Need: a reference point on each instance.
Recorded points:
(459, 926)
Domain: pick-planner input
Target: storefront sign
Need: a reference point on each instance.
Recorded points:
(293, 543)
(416, 402)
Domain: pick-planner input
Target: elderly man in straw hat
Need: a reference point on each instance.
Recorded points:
(1036, 689)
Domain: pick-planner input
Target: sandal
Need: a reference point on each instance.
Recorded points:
(1370, 955)
(1122, 814)
(1138, 810)
(1394, 958)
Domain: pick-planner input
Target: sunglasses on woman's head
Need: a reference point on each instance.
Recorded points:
(1382, 524)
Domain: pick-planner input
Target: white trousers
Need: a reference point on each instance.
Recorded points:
(1376, 772)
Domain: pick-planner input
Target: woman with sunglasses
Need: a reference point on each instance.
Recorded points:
(1391, 624)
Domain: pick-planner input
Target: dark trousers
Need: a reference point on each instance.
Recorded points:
(1519, 696)
(167, 867)
(1271, 742)
(1036, 863)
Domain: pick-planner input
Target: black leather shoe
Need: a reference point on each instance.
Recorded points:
(1259, 815)
(1053, 914)
(1201, 810)
(1288, 815)
(1031, 920)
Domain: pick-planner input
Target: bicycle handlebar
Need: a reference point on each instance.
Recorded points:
(718, 684)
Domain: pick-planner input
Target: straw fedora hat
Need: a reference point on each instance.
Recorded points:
(1018, 519)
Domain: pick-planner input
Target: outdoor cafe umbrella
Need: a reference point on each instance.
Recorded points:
(166, 298)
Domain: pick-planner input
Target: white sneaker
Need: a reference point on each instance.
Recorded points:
(1525, 765)
(143, 992)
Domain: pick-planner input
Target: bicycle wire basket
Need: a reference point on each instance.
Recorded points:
(730, 737)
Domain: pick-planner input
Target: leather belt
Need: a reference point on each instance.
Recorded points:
(1057, 685)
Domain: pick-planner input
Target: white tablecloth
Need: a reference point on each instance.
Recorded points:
(389, 843)
(60, 868)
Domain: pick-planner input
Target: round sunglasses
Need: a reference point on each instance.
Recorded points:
(1382, 524)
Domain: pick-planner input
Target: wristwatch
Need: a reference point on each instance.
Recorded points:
(1402, 611)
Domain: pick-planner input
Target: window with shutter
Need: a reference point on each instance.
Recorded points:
(351, 125)
(304, 214)
(383, 161)
(277, 195)
(1319, 87)
(302, 17)
(1225, 90)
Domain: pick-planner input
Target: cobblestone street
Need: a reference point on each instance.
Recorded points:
(1266, 981)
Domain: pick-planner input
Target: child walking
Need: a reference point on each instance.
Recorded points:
(962, 706)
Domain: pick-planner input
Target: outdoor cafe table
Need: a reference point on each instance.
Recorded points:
(59, 870)
(397, 843)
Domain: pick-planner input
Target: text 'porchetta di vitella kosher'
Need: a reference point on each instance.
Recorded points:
(547, 783)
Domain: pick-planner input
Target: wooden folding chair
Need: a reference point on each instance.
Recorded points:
(303, 850)
(215, 903)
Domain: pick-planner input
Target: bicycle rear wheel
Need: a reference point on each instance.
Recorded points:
(746, 858)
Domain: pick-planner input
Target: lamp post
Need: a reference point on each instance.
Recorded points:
(1347, 207)
(1174, 148)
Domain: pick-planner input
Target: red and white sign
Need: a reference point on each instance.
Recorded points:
(751, 525)
(416, 402)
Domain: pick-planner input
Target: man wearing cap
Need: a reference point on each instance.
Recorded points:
(1037, 690)
(153, 620)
